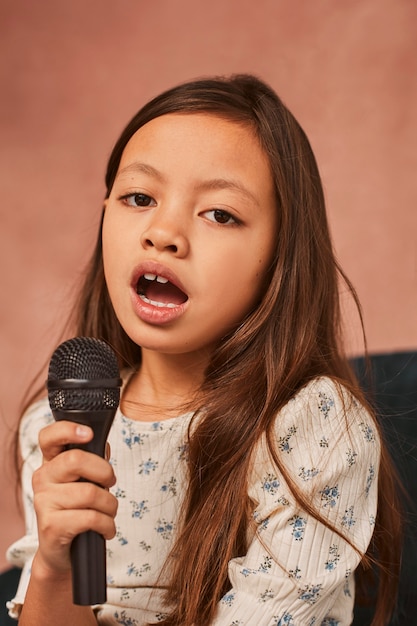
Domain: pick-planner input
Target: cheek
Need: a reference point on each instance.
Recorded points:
(113, 238)
(262, 272)
(247, 278)
(112, 250)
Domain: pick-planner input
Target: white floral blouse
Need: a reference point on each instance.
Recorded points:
(296, 571)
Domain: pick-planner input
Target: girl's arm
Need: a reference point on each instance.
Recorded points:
(49, 601)
(64, 508)
(297, 571)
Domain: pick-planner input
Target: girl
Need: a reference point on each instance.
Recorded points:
(243, 481)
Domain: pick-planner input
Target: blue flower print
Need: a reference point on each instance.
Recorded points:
(308, 474)
(139, 508)
(348, 519)
(247, 571)
(330, 495)
(351, 457)
(270, 484)
(324, 442)
(329, 621)
(133, 570)
(129, 436)
(368, 432)
(165, 529)
(346, 586)
(370, 479)
(121, 539)
(295, 573)
(228, 598)
(263, 568)
(298, 527)
(264, 524)
(125, 595)
(310, 593)
(285, 620)
(325, 404)
(183, 452)
(156, 426)
(170, 486)
(123, 619)
(284, 442)
(147, 467)
(333, 559)
(120, 493)
(130, 440)
(268, 594)
(265, 565)
(283, 500)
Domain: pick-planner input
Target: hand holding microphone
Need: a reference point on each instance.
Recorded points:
(84, 387)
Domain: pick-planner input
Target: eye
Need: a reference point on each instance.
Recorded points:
(138, 200)
(221, 217)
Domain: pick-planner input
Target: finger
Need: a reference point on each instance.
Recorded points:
(71, 465)
(77, 496)
(60, 527)
(54, 438)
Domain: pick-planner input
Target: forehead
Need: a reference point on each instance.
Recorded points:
(197, 147)
(197, 120)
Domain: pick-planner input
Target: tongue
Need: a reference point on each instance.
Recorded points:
(165, 292)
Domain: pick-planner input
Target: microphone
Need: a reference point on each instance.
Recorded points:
(84, 387)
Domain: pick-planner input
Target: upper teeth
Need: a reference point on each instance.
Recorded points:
(159, 279)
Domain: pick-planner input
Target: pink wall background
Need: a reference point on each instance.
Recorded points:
(73, 73)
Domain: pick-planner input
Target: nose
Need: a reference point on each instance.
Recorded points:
(166, 233)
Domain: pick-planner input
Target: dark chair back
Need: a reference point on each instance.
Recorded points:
(392, 389)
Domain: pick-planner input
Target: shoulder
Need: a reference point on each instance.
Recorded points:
(321, 433)
(326, 451)
(326, 409)
(36, 417)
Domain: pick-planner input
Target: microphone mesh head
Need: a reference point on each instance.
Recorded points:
(83, 359)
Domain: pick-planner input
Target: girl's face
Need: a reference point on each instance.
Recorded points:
(189, 231)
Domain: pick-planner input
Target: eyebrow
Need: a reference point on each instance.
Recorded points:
(226, 183)
(205, 185)
(143, 168)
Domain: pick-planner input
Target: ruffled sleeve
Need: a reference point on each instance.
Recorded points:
(297, 571)
(21, 552)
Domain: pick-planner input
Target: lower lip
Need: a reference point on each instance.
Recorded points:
(155, 315)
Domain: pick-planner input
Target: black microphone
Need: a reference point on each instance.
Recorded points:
(84, 387)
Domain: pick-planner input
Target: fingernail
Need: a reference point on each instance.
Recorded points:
(84, 432)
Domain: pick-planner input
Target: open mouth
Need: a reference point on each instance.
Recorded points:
(159, 291)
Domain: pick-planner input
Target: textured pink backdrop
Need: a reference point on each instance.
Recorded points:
(72, 73)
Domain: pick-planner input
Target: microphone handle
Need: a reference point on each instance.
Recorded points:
(88, 549)
(88, 564)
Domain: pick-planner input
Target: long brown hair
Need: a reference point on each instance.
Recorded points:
(293, 336)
